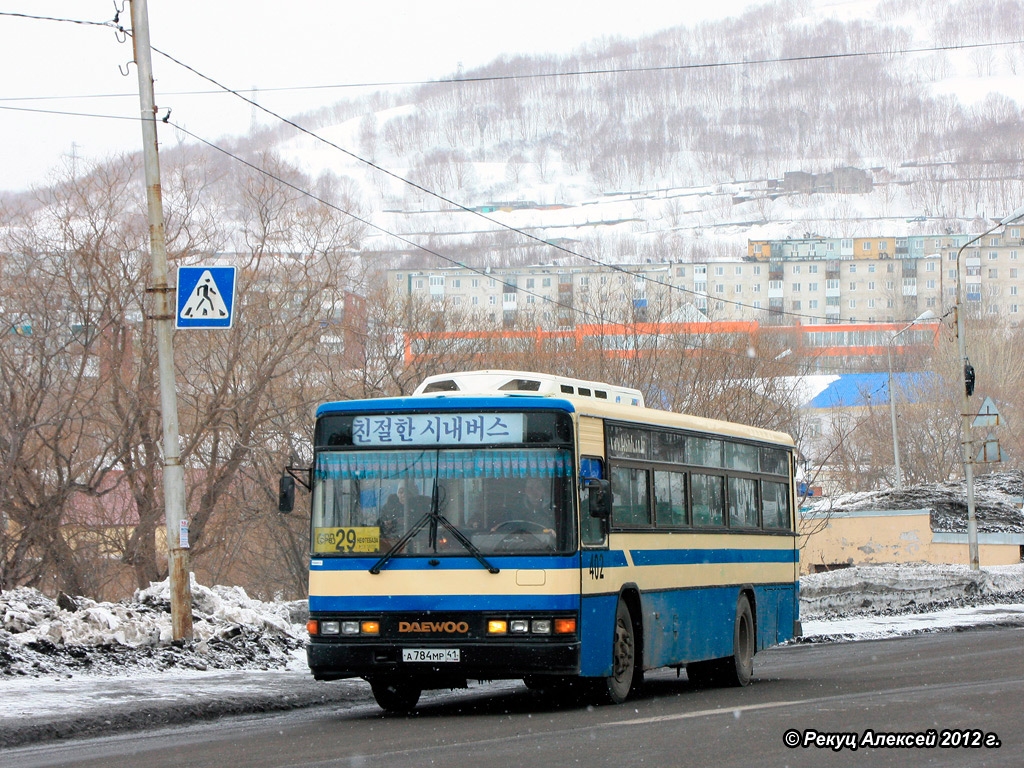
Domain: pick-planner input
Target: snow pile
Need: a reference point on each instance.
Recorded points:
(231, 631)
(998, 501)
(43, 637)
(888, 590)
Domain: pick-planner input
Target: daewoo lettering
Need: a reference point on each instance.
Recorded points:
(450, 627)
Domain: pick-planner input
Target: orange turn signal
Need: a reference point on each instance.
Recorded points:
(370, 627)
(497, 627)
(312, 626)
(565, 626)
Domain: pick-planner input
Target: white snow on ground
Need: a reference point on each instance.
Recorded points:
(877, 627)
(58, 662)
(901, 589)
(232, 631)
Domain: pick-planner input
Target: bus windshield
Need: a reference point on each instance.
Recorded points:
(505, 501)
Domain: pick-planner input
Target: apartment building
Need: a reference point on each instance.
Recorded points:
(784, 282)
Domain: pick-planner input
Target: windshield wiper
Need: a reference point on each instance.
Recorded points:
(433, 517)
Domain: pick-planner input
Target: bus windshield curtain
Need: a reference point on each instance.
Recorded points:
(482, 463)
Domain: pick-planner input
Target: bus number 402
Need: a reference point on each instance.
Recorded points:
(596, 565)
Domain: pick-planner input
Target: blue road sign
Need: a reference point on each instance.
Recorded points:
(206, 297)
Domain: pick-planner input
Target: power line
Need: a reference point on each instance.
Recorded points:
(68, 113)
(55, 18)
(526, 76)
(460, 206)
(523, 233)
(577, 310)
(599, 319)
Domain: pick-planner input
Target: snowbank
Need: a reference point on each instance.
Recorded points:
(231, 631)
(998, 500)
(898, 589)
(38, 637)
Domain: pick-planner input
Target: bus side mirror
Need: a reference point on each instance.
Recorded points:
(286, 494)
(600, 498)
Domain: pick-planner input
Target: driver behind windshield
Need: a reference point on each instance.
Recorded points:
(532, 504)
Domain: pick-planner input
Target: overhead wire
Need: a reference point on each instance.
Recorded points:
(68, 113)
(598, 319)
(523, 76)
(502, 225)
(485, 217)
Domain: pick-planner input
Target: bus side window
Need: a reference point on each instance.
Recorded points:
(708, 494)
(629, 497)
(593, 532)
(670, 498)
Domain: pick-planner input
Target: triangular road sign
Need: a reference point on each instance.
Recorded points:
(990, 452)
(988, 415)
(205, 300)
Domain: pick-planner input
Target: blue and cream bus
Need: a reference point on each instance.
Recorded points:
(502, 524)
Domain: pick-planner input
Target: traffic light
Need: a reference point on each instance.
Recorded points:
(969, 379)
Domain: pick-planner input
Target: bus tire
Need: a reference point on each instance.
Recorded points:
(394, 696)
(625, 677)
(737, 669)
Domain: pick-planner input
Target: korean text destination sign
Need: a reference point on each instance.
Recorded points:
(438, 429)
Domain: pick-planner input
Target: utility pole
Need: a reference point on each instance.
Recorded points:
(968, 390)
(163, 322)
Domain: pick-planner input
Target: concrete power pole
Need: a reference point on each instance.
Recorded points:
(164, 309)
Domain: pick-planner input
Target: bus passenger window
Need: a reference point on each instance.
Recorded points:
(742, 502)
(670, 498)
(629, 497)
(774, 505)
(708, 495)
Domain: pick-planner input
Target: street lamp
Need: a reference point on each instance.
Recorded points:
(968, 390)
(926, 315)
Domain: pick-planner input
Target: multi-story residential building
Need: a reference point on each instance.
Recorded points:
(783, 282)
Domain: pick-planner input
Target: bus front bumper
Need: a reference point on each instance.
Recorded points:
(476, 660)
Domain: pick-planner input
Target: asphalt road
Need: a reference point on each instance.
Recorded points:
(968, 683)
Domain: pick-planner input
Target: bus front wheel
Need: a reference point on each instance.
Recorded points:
(393, 696)
(626, 675)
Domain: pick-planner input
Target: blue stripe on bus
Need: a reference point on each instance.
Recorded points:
(605, 558)
(447, 563)
(497, 603)
(420, 404)
(716, 556)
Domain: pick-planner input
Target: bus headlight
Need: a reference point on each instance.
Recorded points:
(350, 627)
(330, 627)
(541, 626)
(519, 626)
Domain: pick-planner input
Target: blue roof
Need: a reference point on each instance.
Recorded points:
(862, 389)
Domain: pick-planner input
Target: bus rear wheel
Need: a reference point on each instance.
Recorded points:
(739, 668)
(735, 670)
(394, 696)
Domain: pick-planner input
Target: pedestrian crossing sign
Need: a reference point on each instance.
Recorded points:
(206, 297)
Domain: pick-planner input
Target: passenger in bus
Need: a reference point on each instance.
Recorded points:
(401, 510)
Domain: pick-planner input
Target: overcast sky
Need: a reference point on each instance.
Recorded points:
(266, 45)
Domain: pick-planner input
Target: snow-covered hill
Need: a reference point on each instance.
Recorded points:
(672, 146)
(668, 154)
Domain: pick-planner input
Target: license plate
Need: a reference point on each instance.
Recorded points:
(430, 654)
